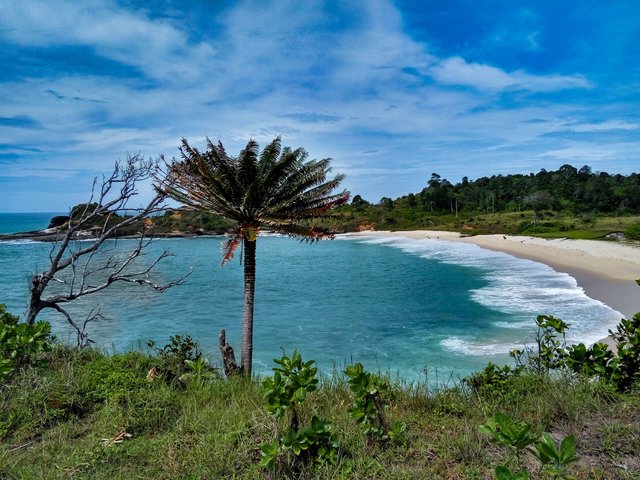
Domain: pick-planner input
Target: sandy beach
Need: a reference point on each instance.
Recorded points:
(605, 270)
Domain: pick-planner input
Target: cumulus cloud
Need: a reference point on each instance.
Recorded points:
(345, 80)
(157, 47)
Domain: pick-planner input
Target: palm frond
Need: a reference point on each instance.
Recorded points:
(304, 233)
(278, 188)
(229, 247)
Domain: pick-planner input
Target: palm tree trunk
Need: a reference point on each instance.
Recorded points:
(247, 317)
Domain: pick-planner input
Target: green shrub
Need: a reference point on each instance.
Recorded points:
(548, 352)
(112, 377)
(20, 343)
(175, 355)
(517, 436)
(627, 337)
(284, 392)
(492, 380)
(621, 370)
(593, 361)
(633, 232)
(370, 391)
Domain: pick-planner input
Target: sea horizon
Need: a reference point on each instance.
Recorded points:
(15, 222)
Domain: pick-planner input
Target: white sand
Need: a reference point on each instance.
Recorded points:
(605, 270)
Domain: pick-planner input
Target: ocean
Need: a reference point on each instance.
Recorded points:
(25, 222)
(418, 309)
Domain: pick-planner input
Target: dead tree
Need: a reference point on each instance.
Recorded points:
(83, 263)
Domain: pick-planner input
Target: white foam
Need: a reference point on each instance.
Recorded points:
(18, 242)
(520, 288)
(464, 347)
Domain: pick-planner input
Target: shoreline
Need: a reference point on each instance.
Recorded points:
(606, 271)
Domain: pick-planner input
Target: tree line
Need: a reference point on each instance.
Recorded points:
(568, 188)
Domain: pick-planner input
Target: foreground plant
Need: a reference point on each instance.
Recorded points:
(181, 360)
(284, 393)
(368, 408)
(627, 338)
(20, 343)
(549, 351)
(277, 189)
(503, 472)
(517, 436)
(514, 435)
(556, 460)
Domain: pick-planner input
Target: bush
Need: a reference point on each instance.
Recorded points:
(492, 380)
(548, 352)
(21, 343)
(371, 393)
(178, 358)
(284, 393)
(627, 337)
(595, 361)
(633, 232)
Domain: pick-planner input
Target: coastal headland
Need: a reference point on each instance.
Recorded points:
(605, 270)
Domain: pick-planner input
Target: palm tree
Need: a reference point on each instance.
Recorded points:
(278, 189)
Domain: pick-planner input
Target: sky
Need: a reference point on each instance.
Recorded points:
(392, 91)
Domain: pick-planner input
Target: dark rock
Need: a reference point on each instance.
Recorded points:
(58, 221)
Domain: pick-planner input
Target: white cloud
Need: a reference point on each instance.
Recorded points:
(457, 71)
(157, 47)
(602, 126)
(269, 67)
(596, 155)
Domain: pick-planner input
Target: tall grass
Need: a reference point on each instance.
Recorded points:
(60, 422)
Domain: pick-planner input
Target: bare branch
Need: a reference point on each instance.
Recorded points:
(83, 261)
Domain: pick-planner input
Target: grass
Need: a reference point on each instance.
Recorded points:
(53, 422)
(550, 224)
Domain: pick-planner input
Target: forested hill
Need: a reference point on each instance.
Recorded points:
(581, 193)
(566, 188)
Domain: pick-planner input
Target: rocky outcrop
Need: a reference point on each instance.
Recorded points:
(172, 225)
(58, 221)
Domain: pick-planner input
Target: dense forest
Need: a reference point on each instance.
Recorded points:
(581, 194)
(564, 189)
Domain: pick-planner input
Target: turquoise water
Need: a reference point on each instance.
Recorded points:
(25, 222)
(399, 305)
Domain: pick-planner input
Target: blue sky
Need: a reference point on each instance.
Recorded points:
(391, 90)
